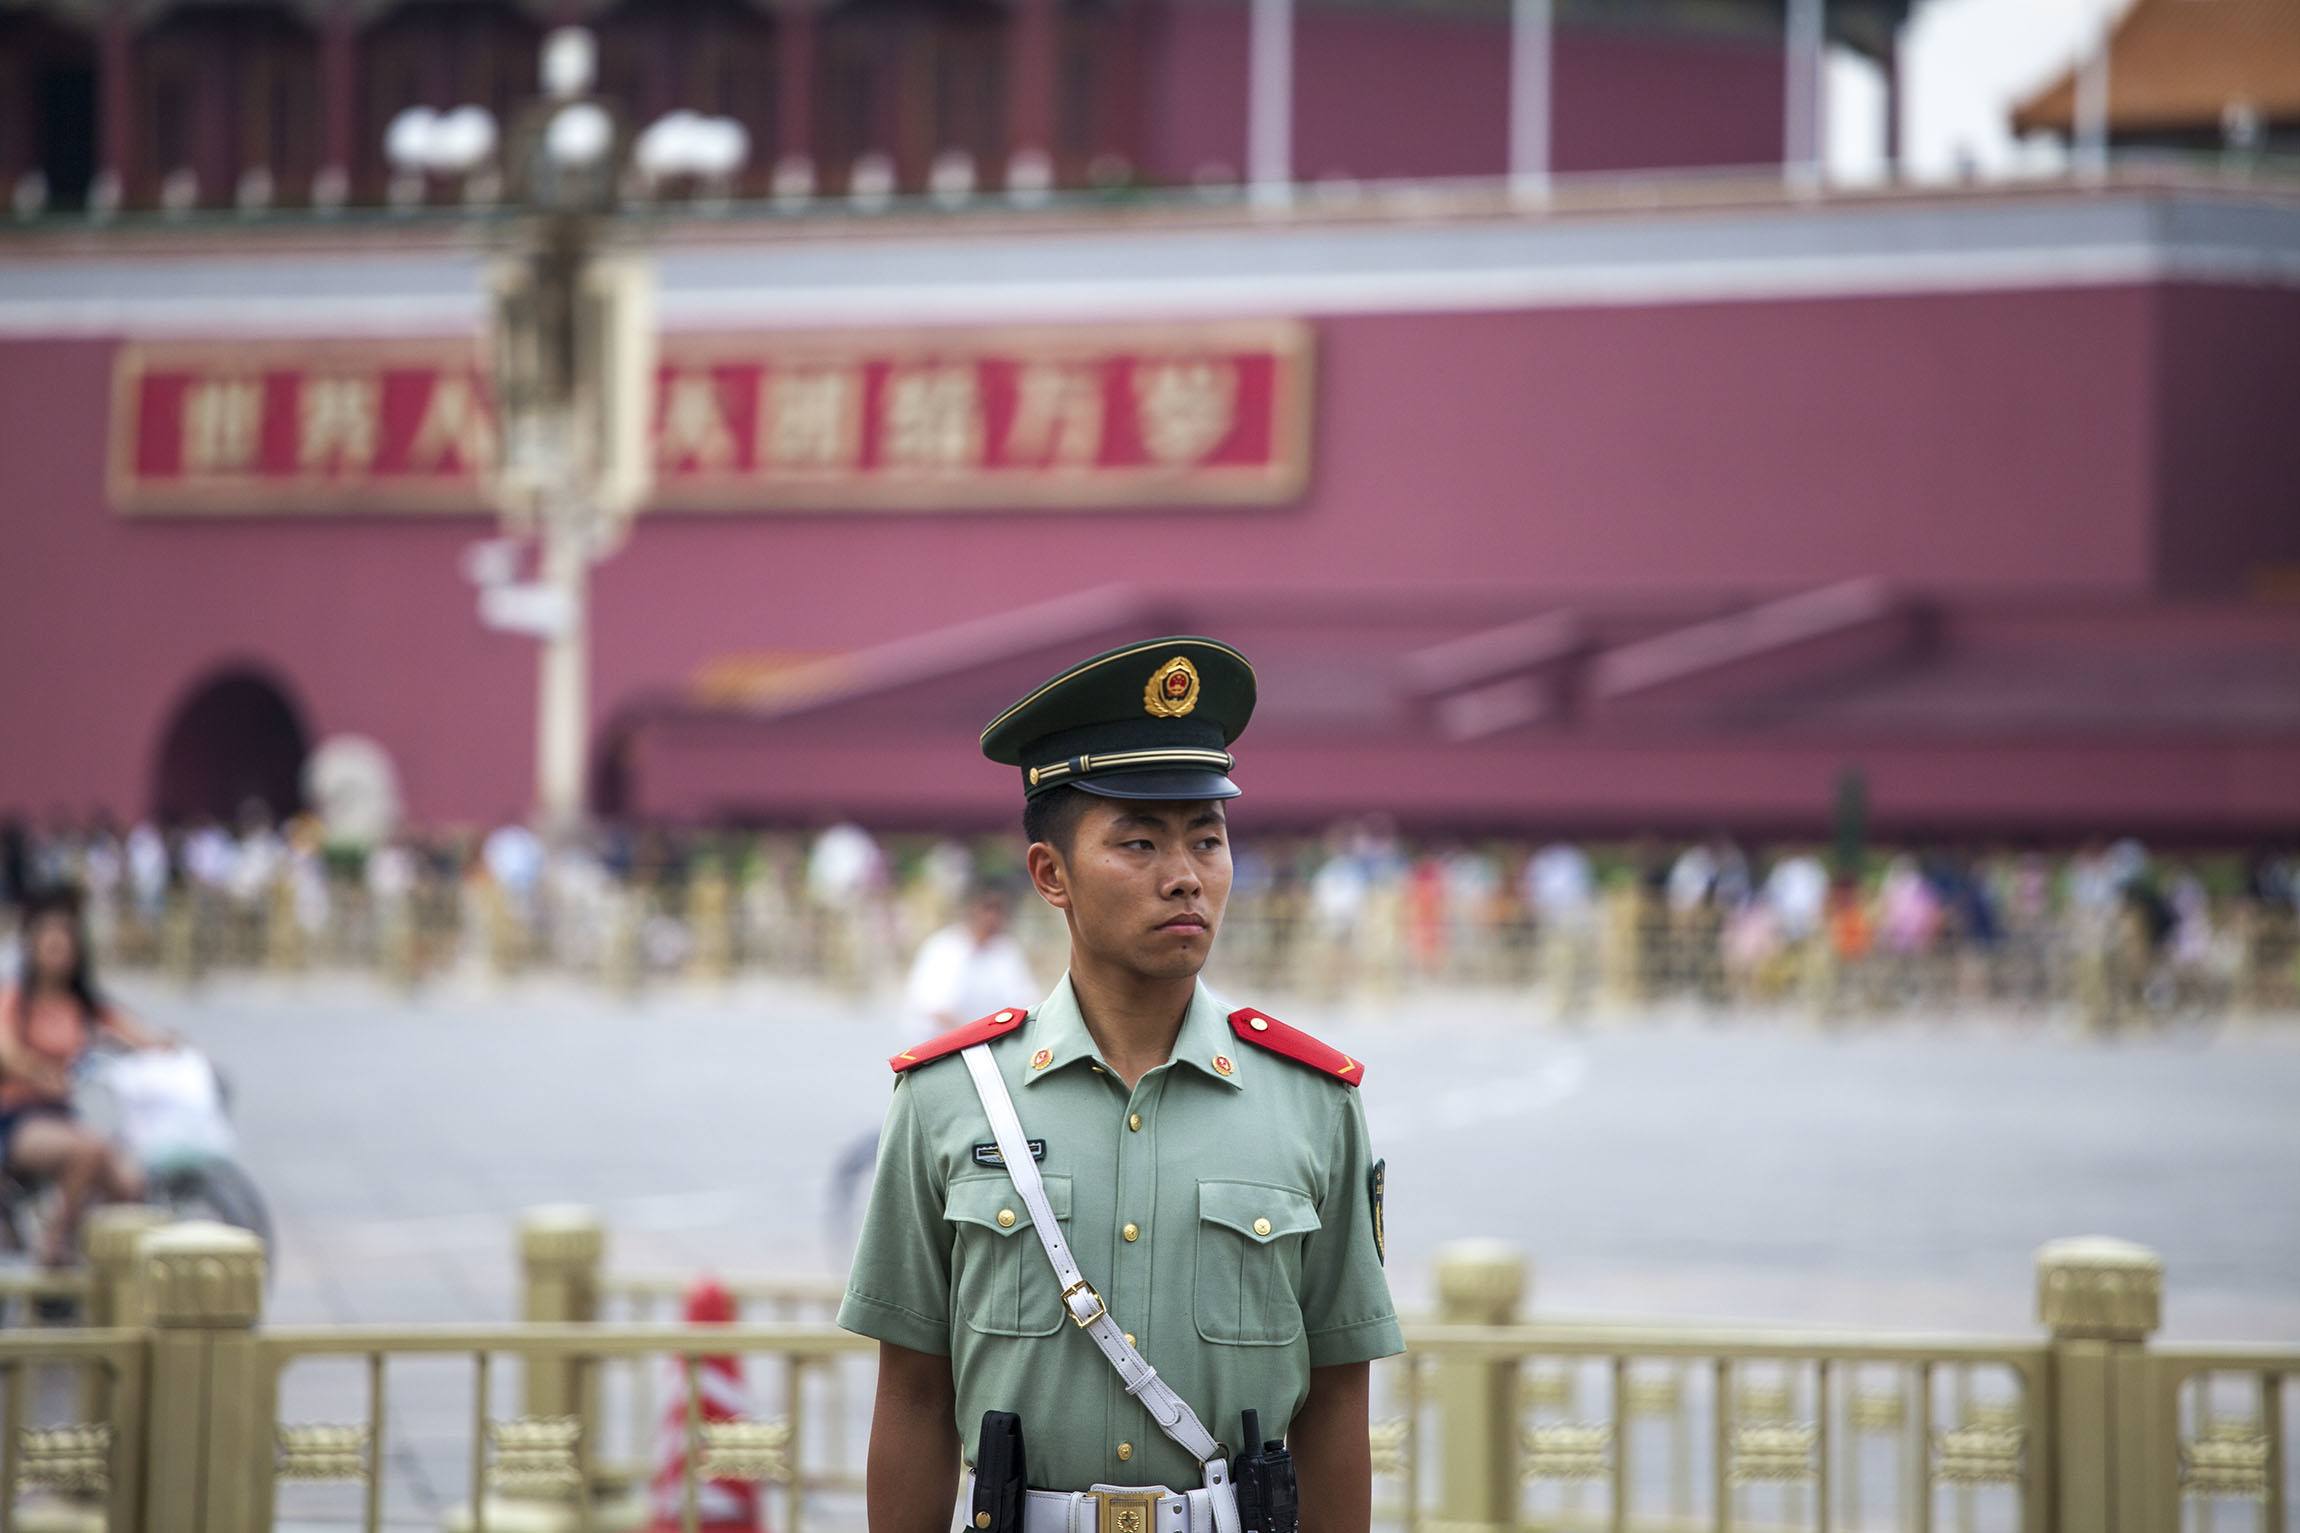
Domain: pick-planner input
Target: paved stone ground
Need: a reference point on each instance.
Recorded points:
(1896, 1175)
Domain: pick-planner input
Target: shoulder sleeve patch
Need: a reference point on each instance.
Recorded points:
(1292, 1043)
(981, 1030)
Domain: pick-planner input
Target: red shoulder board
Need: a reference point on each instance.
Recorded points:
(996, 1025)
(1296, 1045)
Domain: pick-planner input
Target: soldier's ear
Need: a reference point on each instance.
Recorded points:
(1048, 876)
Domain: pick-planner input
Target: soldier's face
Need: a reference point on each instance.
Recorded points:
(1145, 883)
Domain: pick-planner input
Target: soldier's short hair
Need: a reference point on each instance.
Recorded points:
(1053, 816)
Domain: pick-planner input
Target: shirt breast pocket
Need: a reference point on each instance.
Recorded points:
(1250, 1239)
(1001, 1282)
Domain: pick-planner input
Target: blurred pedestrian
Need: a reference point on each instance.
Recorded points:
(49, 1019)
(968, 969)
(1560, 893)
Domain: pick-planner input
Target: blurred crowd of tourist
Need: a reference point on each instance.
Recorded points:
(2114, 928)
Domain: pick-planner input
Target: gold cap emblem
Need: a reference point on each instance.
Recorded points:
(1041, 1059)
(1172, 690)
(1222, 1065)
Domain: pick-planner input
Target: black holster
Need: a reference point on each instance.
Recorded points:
(999, 1476)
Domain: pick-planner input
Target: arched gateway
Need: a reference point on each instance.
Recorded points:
(236, 736)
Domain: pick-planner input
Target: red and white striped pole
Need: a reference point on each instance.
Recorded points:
(720, 1506)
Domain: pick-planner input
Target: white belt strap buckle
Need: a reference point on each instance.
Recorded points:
(1083, 1303)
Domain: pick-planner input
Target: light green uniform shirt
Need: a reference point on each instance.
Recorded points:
(1245, 1180)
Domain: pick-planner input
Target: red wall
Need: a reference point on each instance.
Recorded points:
(1389, 94)
(2001, 442)
(2229, 470)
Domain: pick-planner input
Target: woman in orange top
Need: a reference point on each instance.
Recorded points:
(48, 1020)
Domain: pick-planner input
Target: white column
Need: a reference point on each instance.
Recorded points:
(561, 721)
(1529, 99)
(1801, 121)
(1270, 103)
(2091, 115)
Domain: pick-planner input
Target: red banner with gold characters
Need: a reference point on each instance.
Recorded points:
(1185, 414)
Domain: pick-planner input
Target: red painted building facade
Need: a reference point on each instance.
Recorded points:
(1595, 519)
(1658, 556)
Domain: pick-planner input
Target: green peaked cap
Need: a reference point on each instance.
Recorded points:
(1152, 720)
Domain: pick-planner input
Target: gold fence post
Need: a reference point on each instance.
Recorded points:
(561, 1247)
(2101, 1299)
(200, 1289)
(1479, 1282)
(623, 961)
(710, 924)
(1621, 956)
(114, 1234)
(180, 934)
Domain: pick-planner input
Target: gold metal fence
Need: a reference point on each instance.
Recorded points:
(655, 1297)
(72, 1453)
(545, 1463)
(169, 1418)
(2215, 1432)
(1746, 1429)
(1630, 951)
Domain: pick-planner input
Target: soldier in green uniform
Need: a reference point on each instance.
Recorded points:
(1208, 1167)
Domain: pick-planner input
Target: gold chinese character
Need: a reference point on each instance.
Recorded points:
(454, 426)
(695, 426)
(336, 422)
(1185, 409)
(1057, 415)
(933, 417)
(223, 425)
(811, 418)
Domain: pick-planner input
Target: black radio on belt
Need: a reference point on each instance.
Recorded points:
(1264, 1475)
(999, 1482)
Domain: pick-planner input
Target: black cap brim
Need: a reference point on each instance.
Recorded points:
(1178, 786)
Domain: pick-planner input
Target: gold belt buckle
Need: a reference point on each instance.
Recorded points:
(1127, 1513)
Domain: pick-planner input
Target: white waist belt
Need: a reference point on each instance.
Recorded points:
(1109, 1509)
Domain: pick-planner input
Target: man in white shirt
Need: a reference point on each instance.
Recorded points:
(969, 969)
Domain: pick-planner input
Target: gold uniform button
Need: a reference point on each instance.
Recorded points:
(1006, 1218)
(1261, 1226)
(1004, 1016)
(982, 1519)
(1134, 1123)
(1125, 1452)
(1258, 1025)
(1130, 1338)
(1132, 1233)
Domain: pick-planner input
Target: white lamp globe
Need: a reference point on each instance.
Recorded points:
(462, 140)
(578, 134)
(407, 141)
(570, 62)
(726, 144)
